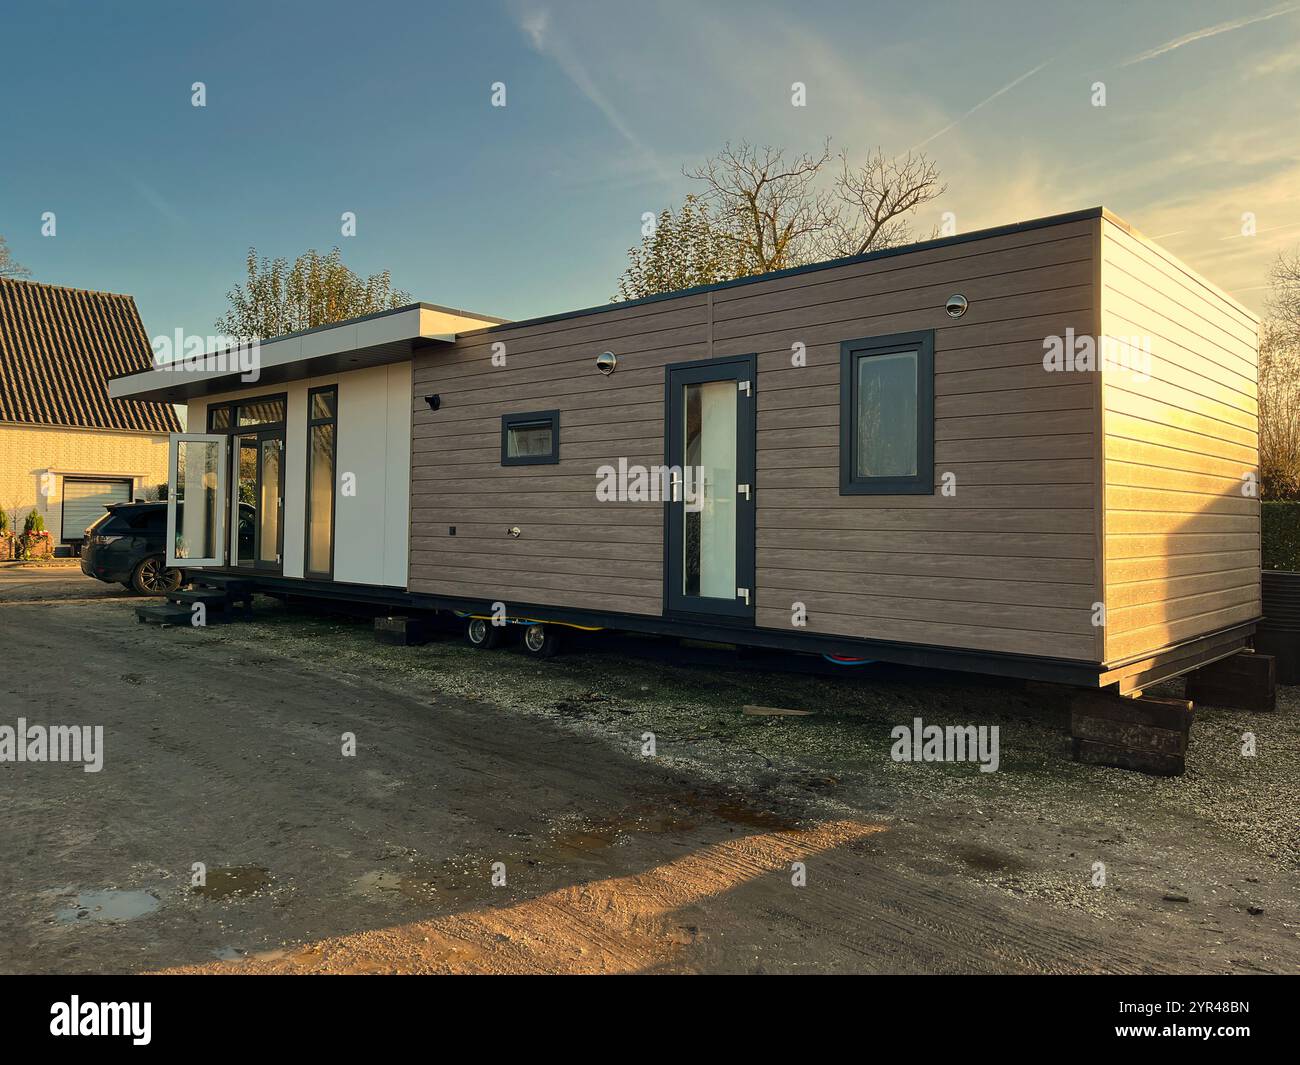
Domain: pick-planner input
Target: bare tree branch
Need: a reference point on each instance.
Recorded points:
(879, 196)
(771, 207)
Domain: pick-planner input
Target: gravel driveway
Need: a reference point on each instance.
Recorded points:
(498, 815)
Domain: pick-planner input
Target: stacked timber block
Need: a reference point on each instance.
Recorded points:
(1244, 681)
(403, 631)
(1146, 734)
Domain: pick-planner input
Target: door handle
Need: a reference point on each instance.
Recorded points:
(743, 489)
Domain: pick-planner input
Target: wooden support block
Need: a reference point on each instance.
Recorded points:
(1284, 646)
(1147, 734)
(1150, 762)
(403, 631)
(1244, 681)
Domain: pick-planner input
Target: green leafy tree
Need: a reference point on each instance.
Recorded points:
(8, 267)
(688, 247)
(278, 298)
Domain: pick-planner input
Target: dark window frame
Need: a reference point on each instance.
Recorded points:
(509, 421)
(851, 351)
(235, 429)
(231, 407)
(332, 420)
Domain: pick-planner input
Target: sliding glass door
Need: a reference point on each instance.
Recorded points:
(255, 430)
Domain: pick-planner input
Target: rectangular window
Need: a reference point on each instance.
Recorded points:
(218, 419)
(887, 415)
(268, 411)
(530, 439)
(261, 412)
(322, 444)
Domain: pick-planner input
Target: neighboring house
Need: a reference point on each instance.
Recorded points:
(65, 448)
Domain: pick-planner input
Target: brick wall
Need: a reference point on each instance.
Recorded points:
(28, 451)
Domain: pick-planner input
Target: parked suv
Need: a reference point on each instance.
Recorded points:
(128, 545)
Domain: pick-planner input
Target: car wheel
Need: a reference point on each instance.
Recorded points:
(481, 633)
(541, 641)
(152, 577)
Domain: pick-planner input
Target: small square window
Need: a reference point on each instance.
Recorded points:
(530, 439)
(887, 415)
(218, 419)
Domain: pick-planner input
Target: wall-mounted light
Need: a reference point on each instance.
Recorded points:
(434, 401)
(606, 362)
(956, 305)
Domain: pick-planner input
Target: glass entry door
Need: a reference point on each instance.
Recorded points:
(196, 480)
(258, 499)
(710, 511)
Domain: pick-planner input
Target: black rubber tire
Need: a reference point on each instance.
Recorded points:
(152, 577)
(541, 641)
(481, 633)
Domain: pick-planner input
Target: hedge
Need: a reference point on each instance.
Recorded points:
(1281, 535)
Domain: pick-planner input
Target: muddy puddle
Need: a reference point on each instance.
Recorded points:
(233, 882)
(109, 906)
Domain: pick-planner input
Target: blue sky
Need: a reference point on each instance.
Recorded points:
(383, 109)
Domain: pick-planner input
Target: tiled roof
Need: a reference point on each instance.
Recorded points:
(59, 346)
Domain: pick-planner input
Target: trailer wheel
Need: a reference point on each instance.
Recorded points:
(483, 634)
(541, 641)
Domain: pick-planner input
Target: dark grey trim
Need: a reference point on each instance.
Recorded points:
(852, 260)
(235, 429)
(922, 483)
(1028, 667)
(677, 604)
(334, 482)
(509, 421)
(260, 434)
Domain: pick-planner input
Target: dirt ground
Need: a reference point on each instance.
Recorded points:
(223, 746)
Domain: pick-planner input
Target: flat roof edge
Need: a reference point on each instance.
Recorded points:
(1137, 234)
(344, 324)
(829, 264)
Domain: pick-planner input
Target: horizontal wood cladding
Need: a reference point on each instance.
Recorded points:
(1007, 564)
(1181, 536)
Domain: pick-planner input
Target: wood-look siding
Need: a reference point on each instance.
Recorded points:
(1181, 537)
(1010, 564)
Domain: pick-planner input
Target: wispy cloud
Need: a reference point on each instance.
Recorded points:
(1282, 62)
(1209, 31)
(151, 196)
(535, 23)
(987, 100)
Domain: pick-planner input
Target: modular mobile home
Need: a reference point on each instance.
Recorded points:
(1028, 451)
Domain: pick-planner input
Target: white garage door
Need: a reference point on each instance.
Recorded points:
(83, 503)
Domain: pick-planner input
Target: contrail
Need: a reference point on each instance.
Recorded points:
(957, 121)
(1209, 31)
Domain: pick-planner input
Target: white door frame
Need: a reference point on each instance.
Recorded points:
(219, 498)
